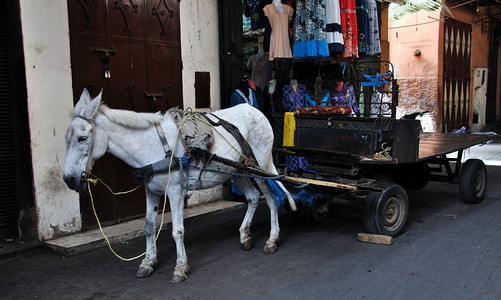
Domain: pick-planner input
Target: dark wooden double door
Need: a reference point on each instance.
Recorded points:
(131, 50)
(456, 75)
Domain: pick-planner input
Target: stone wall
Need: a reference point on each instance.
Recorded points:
(417, 95)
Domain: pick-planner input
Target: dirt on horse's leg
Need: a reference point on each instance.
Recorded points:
(271, 243)
(176, 200)
(252, 195)
(146, 267)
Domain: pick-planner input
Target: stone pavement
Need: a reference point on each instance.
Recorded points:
(448, 250)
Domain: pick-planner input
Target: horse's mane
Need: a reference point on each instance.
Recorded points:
(129, 118)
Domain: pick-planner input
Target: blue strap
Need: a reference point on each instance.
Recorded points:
(375, 80)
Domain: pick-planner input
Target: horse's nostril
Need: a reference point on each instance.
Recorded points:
(70, 180)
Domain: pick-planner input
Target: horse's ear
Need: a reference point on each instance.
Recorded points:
(86, 107)
(82, 102)
(94, 104)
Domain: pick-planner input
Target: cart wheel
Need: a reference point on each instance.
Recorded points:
(473, 181)
(386, 213)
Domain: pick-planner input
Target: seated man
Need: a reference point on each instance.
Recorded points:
(343, 95)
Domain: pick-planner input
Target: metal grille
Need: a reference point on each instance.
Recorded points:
(8, 200)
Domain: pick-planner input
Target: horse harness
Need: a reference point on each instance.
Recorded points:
(199, 152)
(90, 162)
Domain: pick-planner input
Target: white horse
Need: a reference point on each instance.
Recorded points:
(132, 137)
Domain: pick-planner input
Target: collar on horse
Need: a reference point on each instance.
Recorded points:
(143, 174)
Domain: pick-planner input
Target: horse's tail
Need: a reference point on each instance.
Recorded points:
(281, 193)
(292, 203)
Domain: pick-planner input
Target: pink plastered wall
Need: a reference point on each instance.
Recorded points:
(416, 50)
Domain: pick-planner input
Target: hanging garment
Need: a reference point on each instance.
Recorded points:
(333, 29)
(375, 40)
(254, 10)
(292, 100)
(363, 27)
(310, 37)
(349, 25)
(261, 68)
(238, 97)
(279, 40)
(259, 94)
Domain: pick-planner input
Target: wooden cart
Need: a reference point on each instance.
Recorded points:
(372, 161)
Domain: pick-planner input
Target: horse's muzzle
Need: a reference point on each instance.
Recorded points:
(76, 183)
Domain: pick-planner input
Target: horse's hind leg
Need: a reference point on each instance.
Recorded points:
(271, 243)
(176, 201)
(150, 259)
(252, 195)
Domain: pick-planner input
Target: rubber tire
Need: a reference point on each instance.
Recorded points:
(473, 181)
(376, 204)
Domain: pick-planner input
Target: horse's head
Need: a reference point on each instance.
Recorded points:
(85, 142)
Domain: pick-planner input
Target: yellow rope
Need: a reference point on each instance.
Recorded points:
(384, 154)
(94, 181)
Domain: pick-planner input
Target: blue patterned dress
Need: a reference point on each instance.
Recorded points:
(293, 100)
(310, 37)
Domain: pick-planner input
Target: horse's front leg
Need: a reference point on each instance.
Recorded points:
(176, 200)
(150, 225)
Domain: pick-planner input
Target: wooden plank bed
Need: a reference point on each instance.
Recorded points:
(435, 144)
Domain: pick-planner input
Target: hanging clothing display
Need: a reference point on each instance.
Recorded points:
(349, 25)
(375, 40)
(294, 97)
(333, 28)
(363, 27)
(261, 68)
(238, 97)
(254, 10)
(310, 37)
(279, 40)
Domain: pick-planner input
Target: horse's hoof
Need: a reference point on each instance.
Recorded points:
(144, 272)
(270, 248)
(247, 245)
(177, 279)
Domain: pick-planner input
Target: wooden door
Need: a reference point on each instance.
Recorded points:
(131, 49)
(456, 75)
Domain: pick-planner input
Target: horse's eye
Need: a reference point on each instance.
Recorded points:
(82, 139)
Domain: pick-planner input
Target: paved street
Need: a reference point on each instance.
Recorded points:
(448, 250)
